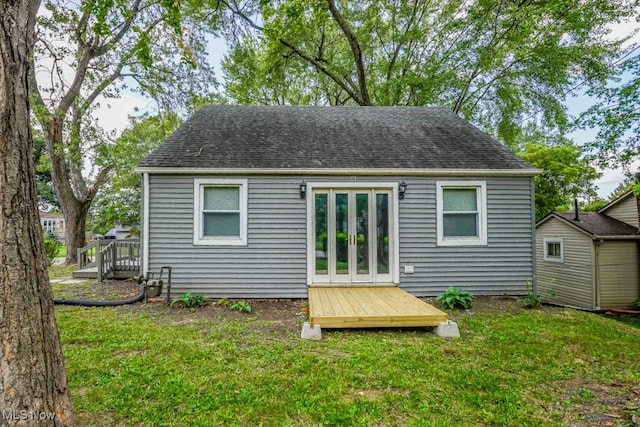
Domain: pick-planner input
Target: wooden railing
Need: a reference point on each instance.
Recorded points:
(119, 255)
(87, 256)
(110, 256)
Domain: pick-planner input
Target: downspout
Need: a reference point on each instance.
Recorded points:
(596, 274)
(144, 260)
(534, 260)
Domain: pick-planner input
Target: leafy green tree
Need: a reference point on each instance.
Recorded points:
(623, 187)
(616, 115)
(85, 55)
(566, 174)
(46, 196)
(492, 61)
(120, 200)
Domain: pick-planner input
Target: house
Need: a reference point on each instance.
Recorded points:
(120, 232)
(590, 260)
(52, 223)
(264, 201)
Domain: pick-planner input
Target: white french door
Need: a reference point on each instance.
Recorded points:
(352, 235)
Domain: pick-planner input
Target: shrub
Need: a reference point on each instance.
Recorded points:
(51, 247)
(454, 298)
(241, 306)
(190, 300)
(533, 300)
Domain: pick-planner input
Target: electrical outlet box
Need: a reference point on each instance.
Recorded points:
(408, 269)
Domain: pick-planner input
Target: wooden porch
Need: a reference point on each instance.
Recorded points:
(369, 307)
(109, 259)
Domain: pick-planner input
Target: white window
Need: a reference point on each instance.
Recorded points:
(553, 249)
(462, 213)
(220, 212)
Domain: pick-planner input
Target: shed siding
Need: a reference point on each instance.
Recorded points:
(273, 264)
(625, 210)
(619, 284)
(572, 281)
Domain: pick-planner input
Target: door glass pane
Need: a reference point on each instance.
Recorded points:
(362, 233)
(321, 234)
(342, 233)
(382, 233)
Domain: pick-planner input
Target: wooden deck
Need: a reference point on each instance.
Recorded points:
(369, 307)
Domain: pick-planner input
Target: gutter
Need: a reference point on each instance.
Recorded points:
(342, 171)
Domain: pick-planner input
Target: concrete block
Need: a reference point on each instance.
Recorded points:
(311, 332)
(447, 329)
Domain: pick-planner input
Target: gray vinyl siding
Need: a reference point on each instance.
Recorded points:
(273, 264)
(501, 267)
(625, 210)
(618, 274)
(572, 280)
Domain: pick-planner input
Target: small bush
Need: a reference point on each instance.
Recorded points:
(455, 298)
(51, 247)
(533, 300)
(241, 306)
(190, 300)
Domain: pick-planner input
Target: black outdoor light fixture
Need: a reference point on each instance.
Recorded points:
(402, 188)
(303, 189)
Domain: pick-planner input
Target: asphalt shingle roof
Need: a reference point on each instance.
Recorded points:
(291, 137)
(599, 224)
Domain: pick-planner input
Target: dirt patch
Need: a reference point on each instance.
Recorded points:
(587, 403)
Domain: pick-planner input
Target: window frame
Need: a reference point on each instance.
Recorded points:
(199, 184)
(481, 204)
(553, 240)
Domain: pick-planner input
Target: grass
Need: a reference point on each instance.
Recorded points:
(61, 271)
(133, 366)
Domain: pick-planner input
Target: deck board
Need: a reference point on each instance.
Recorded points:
(368, 307)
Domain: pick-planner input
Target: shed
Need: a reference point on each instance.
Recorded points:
(590, 260)
(264, 201)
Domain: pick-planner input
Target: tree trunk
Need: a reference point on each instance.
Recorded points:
(33, 381)
(75, 218)
(75, 211)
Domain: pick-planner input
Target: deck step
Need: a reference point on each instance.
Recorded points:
(370, 307)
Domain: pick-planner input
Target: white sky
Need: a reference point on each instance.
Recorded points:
(114, 115)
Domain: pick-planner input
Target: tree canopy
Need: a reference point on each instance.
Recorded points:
(495, 62)
(617, 115)
(566, 175)
(120, 202)
(86, 54)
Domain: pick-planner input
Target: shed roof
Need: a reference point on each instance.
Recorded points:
(596, 224)
(292, 137)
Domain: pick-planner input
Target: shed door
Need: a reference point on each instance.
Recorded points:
(352, 236)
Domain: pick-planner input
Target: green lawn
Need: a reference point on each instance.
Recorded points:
(154, 366)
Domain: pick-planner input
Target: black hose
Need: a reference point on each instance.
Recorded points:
(93, 303)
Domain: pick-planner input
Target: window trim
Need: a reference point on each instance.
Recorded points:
(554, 240)
(198, 201)
(481, 195)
